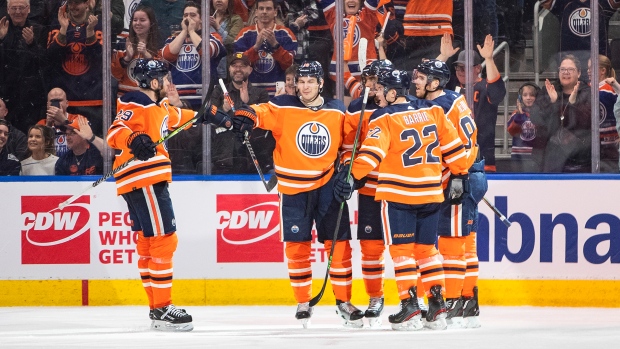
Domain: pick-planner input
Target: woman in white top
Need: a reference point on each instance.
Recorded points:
(41, 148)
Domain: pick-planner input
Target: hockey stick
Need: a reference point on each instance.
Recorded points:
(273, 180)
(496, 211)
(201, 111)
(318, 297)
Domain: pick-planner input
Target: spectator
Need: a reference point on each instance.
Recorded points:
(289, 83)
(607, 127)
(314, 39)
(561, 115)
(241, 8)
(523, 130)
(575, 25)
(58, 118)
(17, 142)
(227, 24)
(83, 157)
(425, 22)
(271, 47)
(9, 164)
(41, 150)
(230, 156)
(364, 15)
(142, 42)
(22, 45)
(488, 93)
(74, 51)
(117, 15)
(614, 84)
(169, 14)
(184, 51)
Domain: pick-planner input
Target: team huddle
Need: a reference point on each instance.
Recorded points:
(413, 159)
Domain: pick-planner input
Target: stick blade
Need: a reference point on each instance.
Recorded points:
(273, 181)
(314, 301)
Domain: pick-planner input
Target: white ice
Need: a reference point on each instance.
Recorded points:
(275, 327)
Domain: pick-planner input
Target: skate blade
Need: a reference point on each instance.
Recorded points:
(375, 322)
(439, 323)
(414, 324)
(353, 323)
(456, 322)
(165, 326)
(472, 322)
(305, 322)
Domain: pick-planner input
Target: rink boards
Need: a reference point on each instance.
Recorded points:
(563, 246)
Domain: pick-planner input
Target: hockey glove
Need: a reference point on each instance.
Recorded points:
(458, 189)
(357, 183)
(243, 122)
(141, 145)
(343, 188)
(214, 116)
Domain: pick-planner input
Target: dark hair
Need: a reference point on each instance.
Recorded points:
(229, 11)
(193, 4)
(575, 60)
(5, 123)
(152, 41)
(48, 138)
(291, 70)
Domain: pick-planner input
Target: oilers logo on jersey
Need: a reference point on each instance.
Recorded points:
(188, 59)
(265, 63)
(528, 131)
(602, 112)
(313, 139)
(579, 22)
(345, 26)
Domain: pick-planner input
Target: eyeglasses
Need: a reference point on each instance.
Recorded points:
(18, 8)
(568, 70)
(459, 68)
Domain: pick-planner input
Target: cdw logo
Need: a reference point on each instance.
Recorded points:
(247, 228)
(52, 236)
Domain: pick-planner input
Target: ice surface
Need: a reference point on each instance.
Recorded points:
(275, 327)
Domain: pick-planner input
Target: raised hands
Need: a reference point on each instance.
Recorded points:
(446, 49)
(486, 51)
(553, 94)
(4, 27)
(63, 19)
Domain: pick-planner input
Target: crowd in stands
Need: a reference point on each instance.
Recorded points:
(51, 90)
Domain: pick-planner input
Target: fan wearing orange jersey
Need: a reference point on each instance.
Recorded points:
(457, 223)
(410, 139)
(308, 132)
(144, 116)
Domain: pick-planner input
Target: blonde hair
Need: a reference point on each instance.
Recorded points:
(605, 62)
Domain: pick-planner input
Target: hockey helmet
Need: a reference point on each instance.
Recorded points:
(310, 69)
(435, 69)
(394, 79)
(146, 70)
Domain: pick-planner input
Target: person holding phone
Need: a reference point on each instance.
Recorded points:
(522, 130)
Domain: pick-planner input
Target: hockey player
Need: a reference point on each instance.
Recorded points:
(143, 117)
(308, 132)
(410, 139)
(457, 222)
(369, 230)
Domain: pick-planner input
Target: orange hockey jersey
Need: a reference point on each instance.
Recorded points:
(307, 141)
(351, 121)
(410, 140)
(428, 18)
(456, 109)
(137, 112)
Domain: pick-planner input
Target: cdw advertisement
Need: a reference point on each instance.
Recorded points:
(232, 231)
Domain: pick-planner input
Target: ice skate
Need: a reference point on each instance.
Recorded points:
(436, 316)
(454, 310)
(408, 318)
(351, 316)
(304, 313)
(471, 311)
(374, 311)
(171, 319)
(423, 307)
